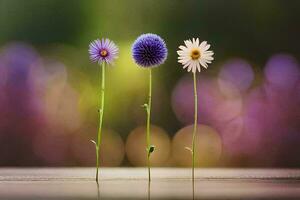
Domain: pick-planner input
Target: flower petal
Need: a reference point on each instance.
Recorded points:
(203, 44)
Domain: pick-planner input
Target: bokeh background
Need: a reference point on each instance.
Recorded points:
(249, 98)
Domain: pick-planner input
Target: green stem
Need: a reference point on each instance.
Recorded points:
(149, 190)
(98, 191)
(148, 123)
(195, 125)
(100, 119)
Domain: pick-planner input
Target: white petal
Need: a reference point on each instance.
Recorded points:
(187, 64)
(203, 64)
(208, 58)
(188, 43)
(197, 42)
(203, 44)
(184, 57)
(182, 47)
(194, 70)
(180, 52)
(209, 52)
(207, 47)
(194, 65)
(189, 68)
(180, 59)
(194, 43)
(183, 61)
(198, 67)
(183, 53)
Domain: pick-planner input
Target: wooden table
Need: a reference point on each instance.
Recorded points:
(131, 183)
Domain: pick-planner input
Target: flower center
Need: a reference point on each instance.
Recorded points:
(103, 53)
(195, 54)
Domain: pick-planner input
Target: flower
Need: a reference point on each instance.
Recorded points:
(192, 55)
(149, 50)
(103, 50)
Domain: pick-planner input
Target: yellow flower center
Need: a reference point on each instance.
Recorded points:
(195, 54)
(103, 53)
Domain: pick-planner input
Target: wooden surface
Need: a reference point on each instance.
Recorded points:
(131, 183)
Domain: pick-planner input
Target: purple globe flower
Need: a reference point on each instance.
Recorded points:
(149, 50)
(103, 51)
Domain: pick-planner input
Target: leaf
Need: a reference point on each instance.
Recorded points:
(95, 143)
(145, 106)
(189, 149)
(150, 150)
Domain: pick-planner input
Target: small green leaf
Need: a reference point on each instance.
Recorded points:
(189, 149)
(96, 146)
(150, 150)
(145, 106)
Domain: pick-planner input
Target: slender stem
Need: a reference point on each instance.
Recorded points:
(98, 191)
(149, 190)
(193, 189)
(148, 123)
(100, 119)
(195, 126)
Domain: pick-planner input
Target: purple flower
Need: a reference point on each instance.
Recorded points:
(149, 50)
(103, 51)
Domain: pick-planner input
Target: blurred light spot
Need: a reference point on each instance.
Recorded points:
(237, 72)
(228, 89)
(232, 131)
(21, 117)
(52, 148)
(228, 110)
(213, 106)
(61, 102)
(88, 99)
(256, 118)
(3, 75)
(282, 71)
(135, 76)
(136, 146)
(209, 97)
(208, 146)
(3, 79)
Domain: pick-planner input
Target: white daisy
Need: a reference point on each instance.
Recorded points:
(193, 55)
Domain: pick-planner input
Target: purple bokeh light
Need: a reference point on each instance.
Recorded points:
(238, 72)
(20, 118)
(282, 71)
(213, 106)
